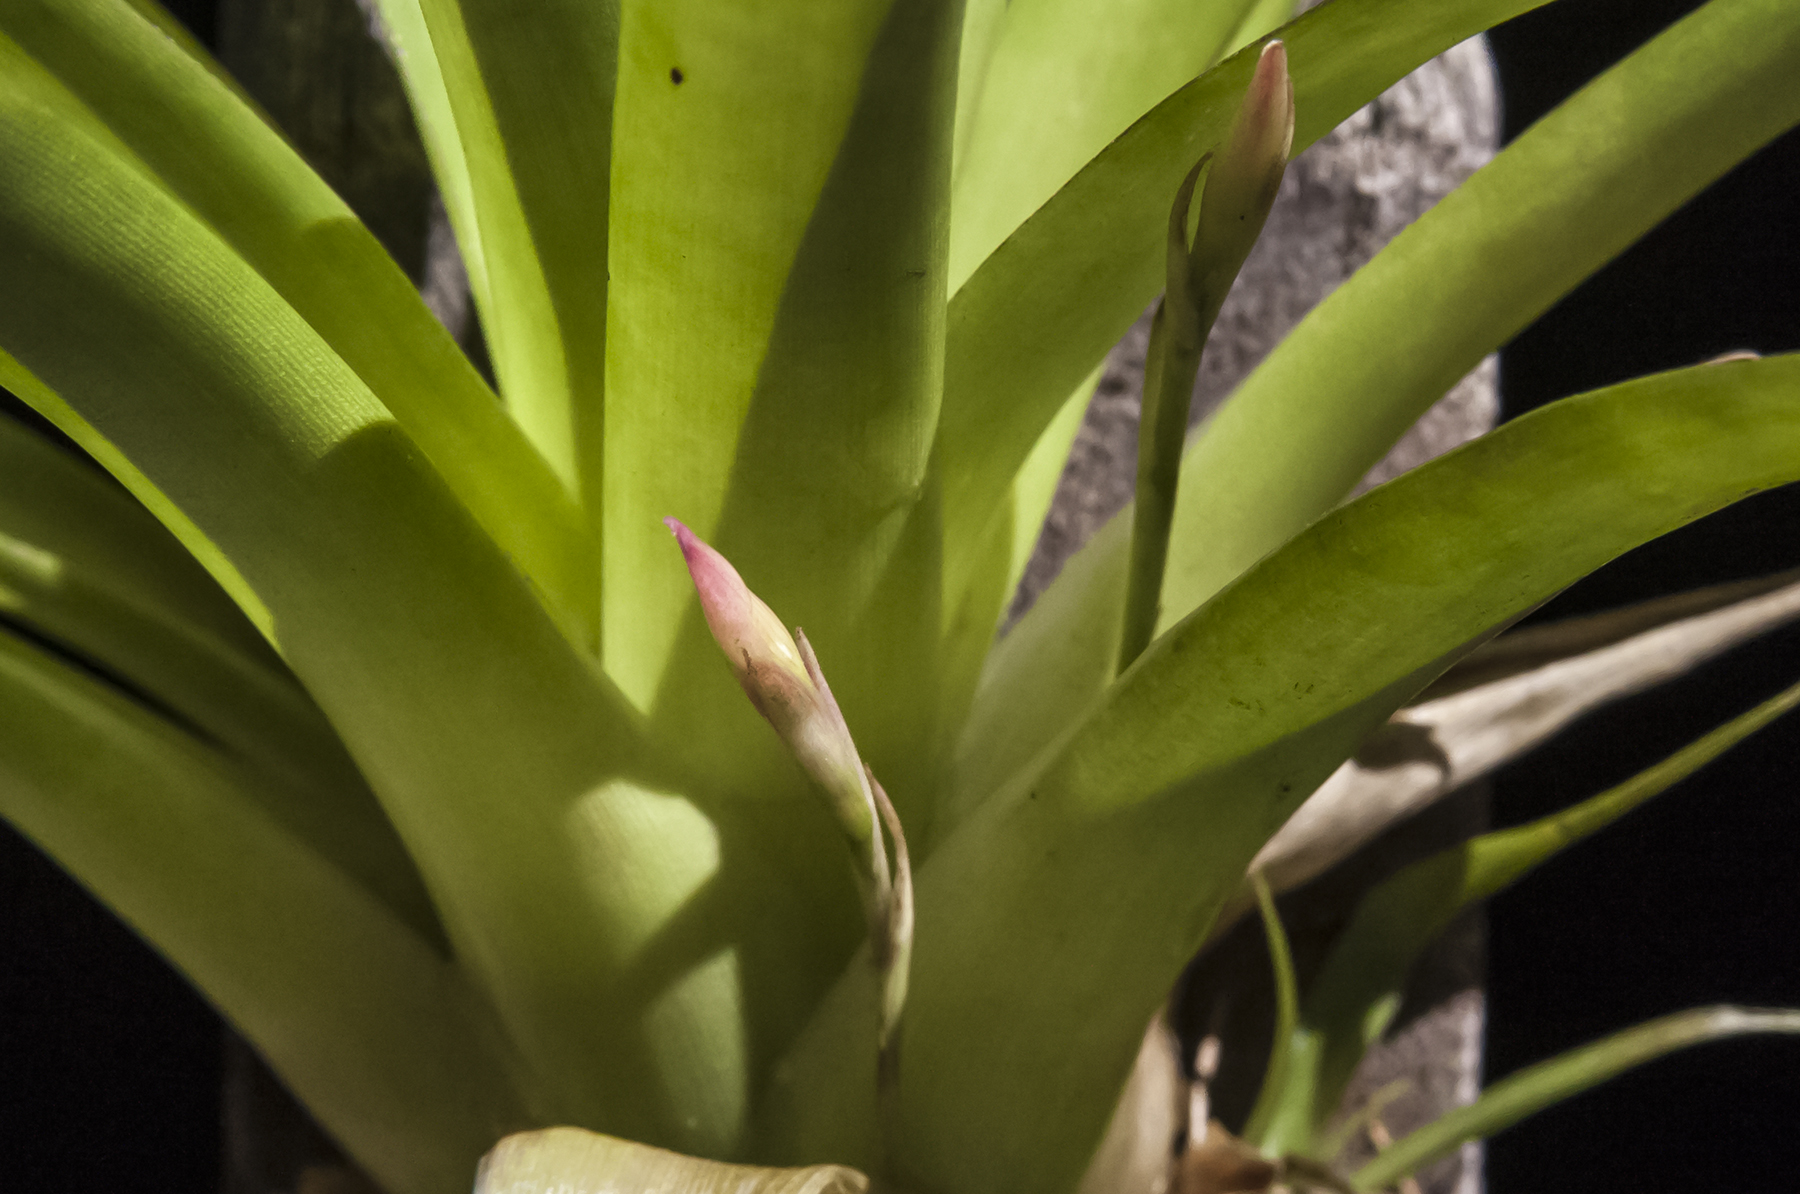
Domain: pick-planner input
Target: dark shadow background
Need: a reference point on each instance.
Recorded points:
(112, 1066)
(1693, 899)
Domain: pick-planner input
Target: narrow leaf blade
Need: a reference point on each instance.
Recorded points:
(1549, 1082)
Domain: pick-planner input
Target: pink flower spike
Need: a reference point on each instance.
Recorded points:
(769, 666)
(745, 628)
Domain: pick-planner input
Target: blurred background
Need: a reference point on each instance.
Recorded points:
(110, 1067)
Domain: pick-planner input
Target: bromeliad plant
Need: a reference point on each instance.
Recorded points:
(385, 709)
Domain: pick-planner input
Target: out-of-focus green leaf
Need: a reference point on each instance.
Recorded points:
(495, 747)
(370, 1025)
(210, 149)
(706, 224)
(1554, 206)
(828, 516)
(1282, 1057)
(1016, 345)
(86, 567)
(515, 106)
(1549, 1082)
(41, 398)
(1354, 999)
(1065, 78)
(564, 1160)
(1147, 813)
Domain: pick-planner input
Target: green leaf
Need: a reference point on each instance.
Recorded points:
(1034, 489)
(706, 225)
(981, 25)
(1554, 206)
(1531, 1090)
(1594, 153)
(558, 1160)
(1261, 19)
(1147, 814)
(971, 760)
(85, 566)
(1353, 1001)
(1048, 669)
(828, 516)
(365, 1020)
(516, 110)
(1066, 77)
(496, 749)
(1016, 345)
(200, 140)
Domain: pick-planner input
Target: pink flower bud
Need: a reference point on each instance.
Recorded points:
(774, 675)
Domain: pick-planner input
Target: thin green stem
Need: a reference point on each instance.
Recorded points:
(1287, 1014)
(1177, 336)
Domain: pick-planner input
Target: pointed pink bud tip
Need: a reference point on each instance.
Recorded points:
(758, 646)
(1268, 112)
(774, 675)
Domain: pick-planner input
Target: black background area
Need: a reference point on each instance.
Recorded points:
(1691, 900)
(111, 1064)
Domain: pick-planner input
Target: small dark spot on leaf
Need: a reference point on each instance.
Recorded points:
(675, 75)
(1034, 796)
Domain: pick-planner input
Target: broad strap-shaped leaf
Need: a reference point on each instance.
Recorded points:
(1048, 669)
(1549, 1082)
(1357, 993)
(828, 514)
(1442, 742)
(970, 619)
(981, 25)
(1016, 344)
(1034, 489)
(199, 139)
(377, 1031)
(87, 568)
(515, 105)
(1573, 190)
(1065, 78)
(492, 743)
(1148, 812)
(737, 115)
(565, 1160)
(1260, 20)
(1555, 205)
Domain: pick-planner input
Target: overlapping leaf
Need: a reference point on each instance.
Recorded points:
(1523, 230)
(204, 144)
(368, 1023)
(489, 740)
(1146, 814)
